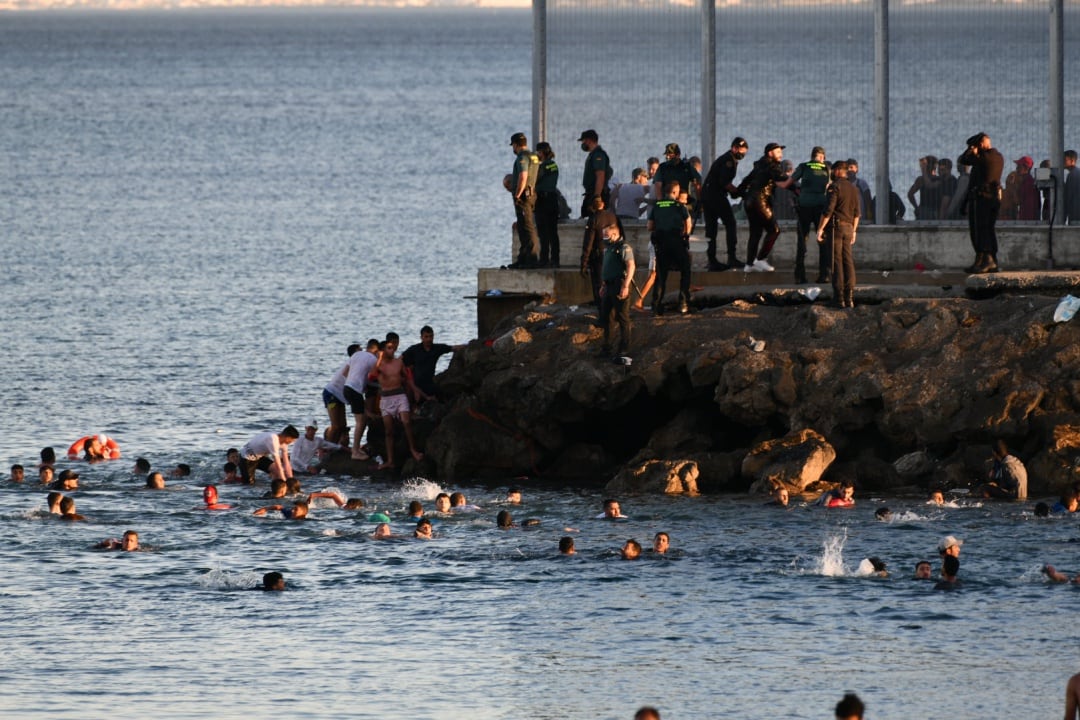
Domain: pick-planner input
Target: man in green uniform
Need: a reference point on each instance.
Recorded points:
(670, 224)
(523, 187)
(597, 172)
(617, 274)
(547, 206)
(812, 178)
(675, 169)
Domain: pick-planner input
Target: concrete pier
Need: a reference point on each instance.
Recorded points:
(912, 260)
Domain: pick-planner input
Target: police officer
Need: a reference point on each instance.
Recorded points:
(523, 187)
(597, 172)
(675, 169)
(812, 179)
(984, 200)
(719, 183)
(547, 206)
(767, 175)
(670, 224)
(842, 212)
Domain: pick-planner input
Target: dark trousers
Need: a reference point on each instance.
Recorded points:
(843, 264)
(982, 219)
(720, 210)
(761, 222)
(547, 227)
(672, 253)
(613, 310)
(595, 263)
(525, 209)
(811, 217)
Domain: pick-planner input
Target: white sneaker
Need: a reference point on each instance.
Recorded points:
(748, 268)
(763, 266)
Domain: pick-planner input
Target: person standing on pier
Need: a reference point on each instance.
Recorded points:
(812, 177)
(767, 175)
(670, 223)
(719, 184)
(547, 206)
(842, 211)
(617, 274)
(597, 172)
(984, 200)
(523, 188)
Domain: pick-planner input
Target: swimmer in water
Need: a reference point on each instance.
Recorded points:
(53, 499)
(566, 545)
(45, 474)
(842, 497)
(340, 500)
(504, 520)
(298, 511)
(660, 543)
(513, 496)
(232, 474)
(442, 503)
(68, 480)
(129, 542)
(181, 470)
(18, 473)
(923, 570)
(612, 511)
(155, 481)
(1072, 698)
(850, 708)
(1069, 502)
(416, 510)
(458, 503)
(67, 510)
(780, 496)
(48, 458)
(647, 713)
(278, 489)
(423, 529)
(142, 466)
(883, 514)
(950, 568)
(1058, 576)
(210, 499)
(631, 550)
(936, 498)
(273, 582)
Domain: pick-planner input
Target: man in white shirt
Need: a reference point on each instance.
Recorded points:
(360, 366)
(308, 450)
(268, 452)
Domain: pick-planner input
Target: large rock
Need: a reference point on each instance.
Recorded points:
(794, 461)
(673, 477)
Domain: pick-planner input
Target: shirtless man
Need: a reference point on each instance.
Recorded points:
(1072, 697)
(67, 510)
(129, 543)
(53, 500)
(395, 386)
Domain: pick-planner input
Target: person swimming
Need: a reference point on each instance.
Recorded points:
(423, 530)
(210, 498)
(128, 543)
(631, 550)
(272, 582)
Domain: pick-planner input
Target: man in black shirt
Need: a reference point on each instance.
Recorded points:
(984, 200)
(719, 183)
(421, 359)
(842, 212)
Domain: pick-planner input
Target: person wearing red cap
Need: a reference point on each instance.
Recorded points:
(1025, 192)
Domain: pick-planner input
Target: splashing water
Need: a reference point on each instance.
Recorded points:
(420, 489)
(831, 563)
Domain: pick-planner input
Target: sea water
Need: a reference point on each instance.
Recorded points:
(200, 212)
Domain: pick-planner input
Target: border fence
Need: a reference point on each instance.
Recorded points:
(881, 81)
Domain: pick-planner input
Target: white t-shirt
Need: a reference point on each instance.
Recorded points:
(305, 453)
(360, 366)
(336, 386)
(261, 445)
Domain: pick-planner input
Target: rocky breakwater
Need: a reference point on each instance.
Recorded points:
(898, 397)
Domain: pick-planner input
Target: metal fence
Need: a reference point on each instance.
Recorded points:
(883, 82)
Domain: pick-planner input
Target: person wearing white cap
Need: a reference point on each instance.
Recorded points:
(949, 545)
(309, 449)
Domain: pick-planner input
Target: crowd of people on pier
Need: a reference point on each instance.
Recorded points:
(826, 199)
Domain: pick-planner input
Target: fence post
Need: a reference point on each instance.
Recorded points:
(539, 72)
(881, 112)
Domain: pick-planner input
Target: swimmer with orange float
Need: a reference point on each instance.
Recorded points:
(94, 447)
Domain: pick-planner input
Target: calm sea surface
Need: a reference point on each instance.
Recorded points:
(200, 211)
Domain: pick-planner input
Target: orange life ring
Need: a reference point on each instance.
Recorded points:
(111, 449)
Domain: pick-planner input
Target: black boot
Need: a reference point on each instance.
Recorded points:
(986, 265)
(972, 268)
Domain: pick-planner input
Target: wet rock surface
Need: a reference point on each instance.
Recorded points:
(908, 393)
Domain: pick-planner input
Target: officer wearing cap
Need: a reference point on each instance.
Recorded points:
(719, 184)
(597, 172)
(547, 205)
(669, 222)
(523, 187)
(675, 169)
(767, 175)
(984, 200)
(842, 213)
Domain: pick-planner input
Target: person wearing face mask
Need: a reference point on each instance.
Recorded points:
(597, 172)
(719, 183)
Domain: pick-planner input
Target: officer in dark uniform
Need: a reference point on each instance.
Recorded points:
(592, 245)
(547, 206)
(812, 179)
(675, 169)
(984, 200)
(523, 187)
(768, 174)
(719, 183)
(597, 172)
(670, 224)
(842, 213)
